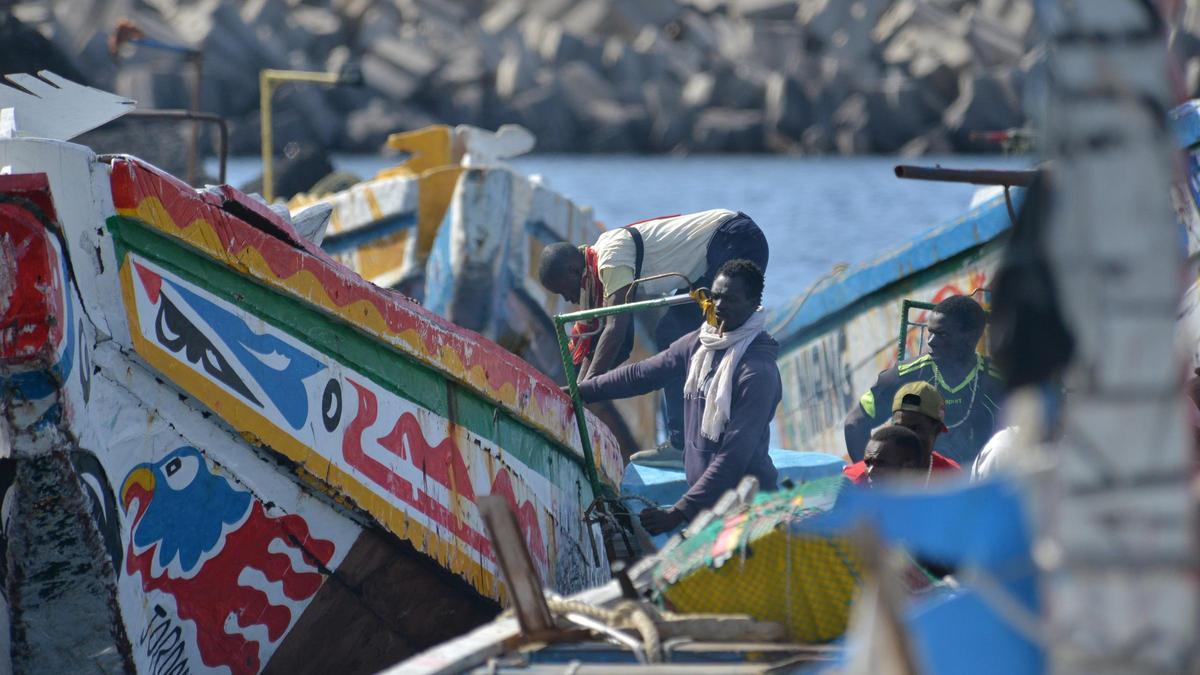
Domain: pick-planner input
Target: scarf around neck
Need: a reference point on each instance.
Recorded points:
(591, 295)
(720, 392)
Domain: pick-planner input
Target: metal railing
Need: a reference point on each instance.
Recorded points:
(193, 116)
(560, 323)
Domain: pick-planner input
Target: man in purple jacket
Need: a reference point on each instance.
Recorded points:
(730, 393)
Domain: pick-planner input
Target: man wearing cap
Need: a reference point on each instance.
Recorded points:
(968, 384)
(919, 409)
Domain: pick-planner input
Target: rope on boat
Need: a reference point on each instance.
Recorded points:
(641, 616)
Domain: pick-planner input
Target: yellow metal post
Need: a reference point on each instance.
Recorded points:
(267, 81)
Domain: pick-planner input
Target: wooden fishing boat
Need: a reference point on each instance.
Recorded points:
(223, 447)
(836, 339)
(460, 230)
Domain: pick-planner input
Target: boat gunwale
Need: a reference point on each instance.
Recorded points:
(564, 441)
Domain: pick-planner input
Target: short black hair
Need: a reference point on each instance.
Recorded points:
(963, 310)
(902, 436)
(746, 270)
(554, 259)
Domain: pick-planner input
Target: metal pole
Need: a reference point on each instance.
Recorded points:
(1008, 178)
(902, 344)
(265, 88)
(267, 80)
(193, 161)
(560, 322)
(172, 114)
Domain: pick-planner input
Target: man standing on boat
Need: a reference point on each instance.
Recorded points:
(731, 389)
(671, 253)
(970, 387)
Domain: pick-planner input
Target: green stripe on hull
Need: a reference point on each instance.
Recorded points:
(340, 342)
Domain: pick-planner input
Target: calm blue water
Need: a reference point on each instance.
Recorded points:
(815, 211)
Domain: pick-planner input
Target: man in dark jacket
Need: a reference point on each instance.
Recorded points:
(970, 387)
(731, 389)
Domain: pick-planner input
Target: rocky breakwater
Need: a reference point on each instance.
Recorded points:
(812, 76)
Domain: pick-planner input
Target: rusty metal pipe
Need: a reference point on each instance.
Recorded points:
(175, 114)
(1004, 177)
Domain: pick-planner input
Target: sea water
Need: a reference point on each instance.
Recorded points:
(816, 212)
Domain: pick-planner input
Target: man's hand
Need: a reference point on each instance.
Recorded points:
(657, 521)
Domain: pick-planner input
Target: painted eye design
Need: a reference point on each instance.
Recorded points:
(181, 471)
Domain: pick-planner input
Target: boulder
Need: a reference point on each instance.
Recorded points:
(557, 45)
(381, 20)
(935, 141)
(583, 88)
(516, 73)
(777, 46)
(463, 104)
(850, 121)
(758, 10)
(936, 81)
(895, 17)
(667, 57)
(386, 78)
(986, 102)
(728, 130)
(739, 86)
(992, 43)
(839, 22)
(322, 29)
(924, 42)
(816, 140)
(367, 128)
(614, 128)
(670, 122)
(697, 92)
(24, 50)
(464, 67)
(411, 56)
(623, 68)
(698, 30)
(541, 110)
(590, 17)
(734, 40)
(787, 109)
(502, 17)
(897, 112)
(622, 18)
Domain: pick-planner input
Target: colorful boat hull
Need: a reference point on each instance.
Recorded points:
(844, 335)
(465, 240)
(274, 448)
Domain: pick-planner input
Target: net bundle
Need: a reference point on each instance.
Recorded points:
(756, 561)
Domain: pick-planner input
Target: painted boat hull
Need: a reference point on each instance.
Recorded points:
(838, 342)
(465, 242)
(845, 335)
(247, 447)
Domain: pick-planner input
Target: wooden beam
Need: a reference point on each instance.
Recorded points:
(516, 566)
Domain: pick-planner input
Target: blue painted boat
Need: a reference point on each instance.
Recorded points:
(837, 339)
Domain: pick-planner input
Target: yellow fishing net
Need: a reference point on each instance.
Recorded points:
(750, 563)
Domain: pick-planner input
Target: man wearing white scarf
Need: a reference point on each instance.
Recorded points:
(731, 390)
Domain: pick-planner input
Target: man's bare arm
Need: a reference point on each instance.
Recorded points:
(616, 328)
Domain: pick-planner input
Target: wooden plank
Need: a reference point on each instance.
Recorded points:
(516, 566)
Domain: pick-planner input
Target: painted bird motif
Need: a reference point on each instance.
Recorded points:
(196, 538)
